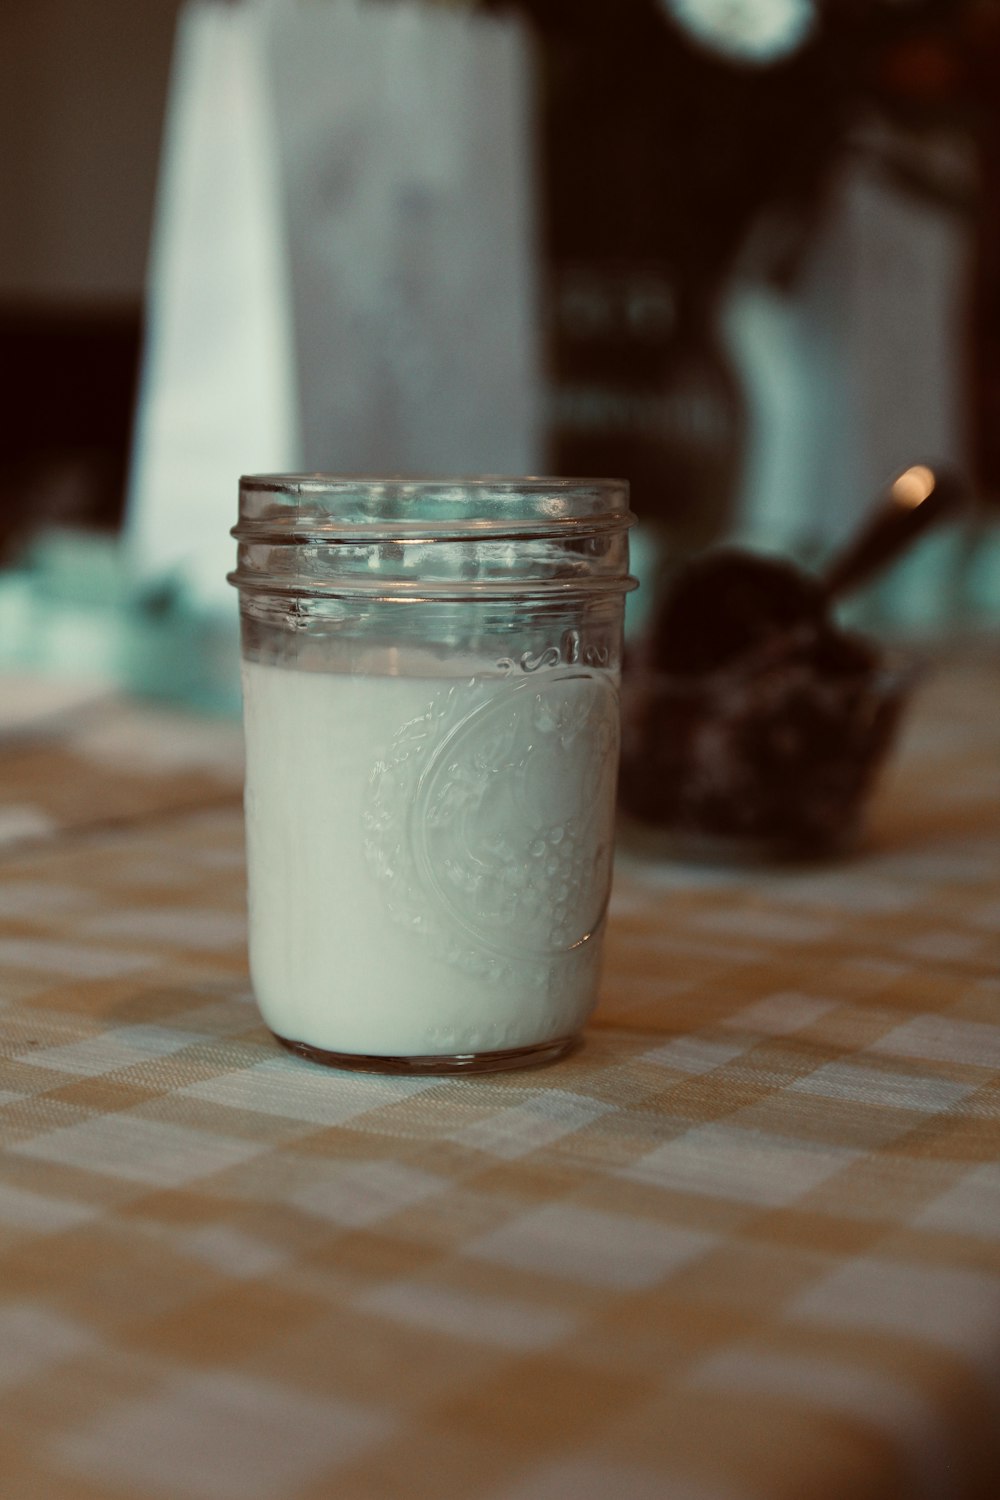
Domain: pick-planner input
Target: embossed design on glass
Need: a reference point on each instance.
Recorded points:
(491, 827)
(431, 711)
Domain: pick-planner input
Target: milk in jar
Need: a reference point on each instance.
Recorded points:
(429, 860)
(430, 680)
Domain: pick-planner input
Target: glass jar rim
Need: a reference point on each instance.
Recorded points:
(318, 535)
(531, 483)
(299, 506)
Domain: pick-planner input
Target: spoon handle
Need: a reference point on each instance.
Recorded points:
(917, 499)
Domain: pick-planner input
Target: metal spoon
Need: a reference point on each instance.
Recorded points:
(917, 499)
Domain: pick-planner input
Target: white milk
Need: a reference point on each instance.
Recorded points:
(429, 858)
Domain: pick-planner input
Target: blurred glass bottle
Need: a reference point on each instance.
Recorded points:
(639, 383)
(663, 130)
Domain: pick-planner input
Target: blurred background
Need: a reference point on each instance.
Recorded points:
(745, 253)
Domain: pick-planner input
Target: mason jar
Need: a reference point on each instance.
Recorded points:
(430, 688)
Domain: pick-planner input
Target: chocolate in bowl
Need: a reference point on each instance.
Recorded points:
(755, 727)
(776, 759)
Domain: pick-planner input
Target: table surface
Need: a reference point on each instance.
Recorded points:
(743, 1245)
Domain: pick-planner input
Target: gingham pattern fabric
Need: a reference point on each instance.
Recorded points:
(743, 1245)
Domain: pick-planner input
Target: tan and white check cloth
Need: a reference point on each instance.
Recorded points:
(744, 1245)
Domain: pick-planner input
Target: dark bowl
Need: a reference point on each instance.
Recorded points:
(775, 757)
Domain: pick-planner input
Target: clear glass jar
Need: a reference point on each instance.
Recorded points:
(430, 679)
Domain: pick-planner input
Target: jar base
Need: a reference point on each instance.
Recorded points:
(535, 1056)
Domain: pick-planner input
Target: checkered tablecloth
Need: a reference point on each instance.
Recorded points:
(744, 1245)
